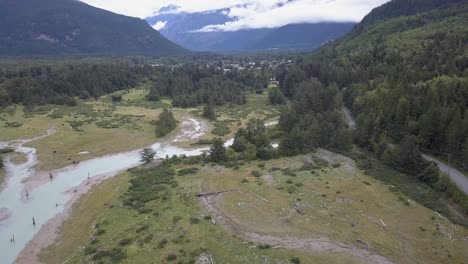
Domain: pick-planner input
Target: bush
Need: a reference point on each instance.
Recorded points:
(256, 173)
(171, 257)
(186, 171)
(90, 250)
(162, 243)
(291, 189)
(295, 260)
(116, 255)
(264, 246)
(125, 241)
(194, 220)
(220, 129)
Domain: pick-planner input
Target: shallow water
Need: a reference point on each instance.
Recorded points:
(42, 201)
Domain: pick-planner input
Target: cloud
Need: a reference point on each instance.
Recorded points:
(159, 25)
(276, 13)
(249, 13)
(145, 8)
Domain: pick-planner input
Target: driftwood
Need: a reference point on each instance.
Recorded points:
(261, 198)
(362, 242)
(214, 193)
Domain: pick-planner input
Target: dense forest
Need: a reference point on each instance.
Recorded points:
(192, 85)
(405, 76)
(59, 83)
(186, 84)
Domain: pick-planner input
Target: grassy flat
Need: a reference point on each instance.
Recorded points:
(317, 196)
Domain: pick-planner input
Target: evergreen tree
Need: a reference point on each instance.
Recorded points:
(240, 142)
(217, 151)
(454, 134)
(166, 123)
(276, 97)
(209, 112)
(147, 155)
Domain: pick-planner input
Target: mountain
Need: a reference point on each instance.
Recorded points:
(393, 9)
(69, 27)
(302, 36)
(184, 28)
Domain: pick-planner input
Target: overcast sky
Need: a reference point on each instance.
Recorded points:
(251, 13)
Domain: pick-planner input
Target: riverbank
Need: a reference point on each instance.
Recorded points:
(318, 208)
(34, 194)
(49, 231)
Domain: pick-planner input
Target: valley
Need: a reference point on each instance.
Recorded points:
(266, 132)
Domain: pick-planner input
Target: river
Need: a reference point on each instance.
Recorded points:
(50, 197)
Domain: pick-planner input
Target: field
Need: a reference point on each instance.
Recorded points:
(92, 128)
(278, 211)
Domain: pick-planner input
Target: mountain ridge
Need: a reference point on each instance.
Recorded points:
(69, 27)
(184, 28)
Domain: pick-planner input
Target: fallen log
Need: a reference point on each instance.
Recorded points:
(214, 193)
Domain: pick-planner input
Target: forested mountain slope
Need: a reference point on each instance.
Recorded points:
(395, 9)
(69, 27)
(184, 28)
(305, 36)
(404, 78)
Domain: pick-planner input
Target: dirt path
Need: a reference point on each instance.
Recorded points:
(321, 244)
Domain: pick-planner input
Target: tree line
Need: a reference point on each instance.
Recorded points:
(403, 77)
(59, 83)
(192, 85)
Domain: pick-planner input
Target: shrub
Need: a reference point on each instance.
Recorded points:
(194, 220)
(291, 189)
(186, 171)
(90, 250)
(264, 246)
(171, 257)
(256, 173)
(125, 241)
(162, 243)
(295, 260)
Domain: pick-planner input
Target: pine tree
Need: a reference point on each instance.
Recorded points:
(209, 112)
(454, 134)
(217, 151)
(147, 155)
(166, 123)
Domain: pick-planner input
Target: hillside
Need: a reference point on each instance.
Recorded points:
(302, 36)
(395, 9)
(405, 79)
(69, 27)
